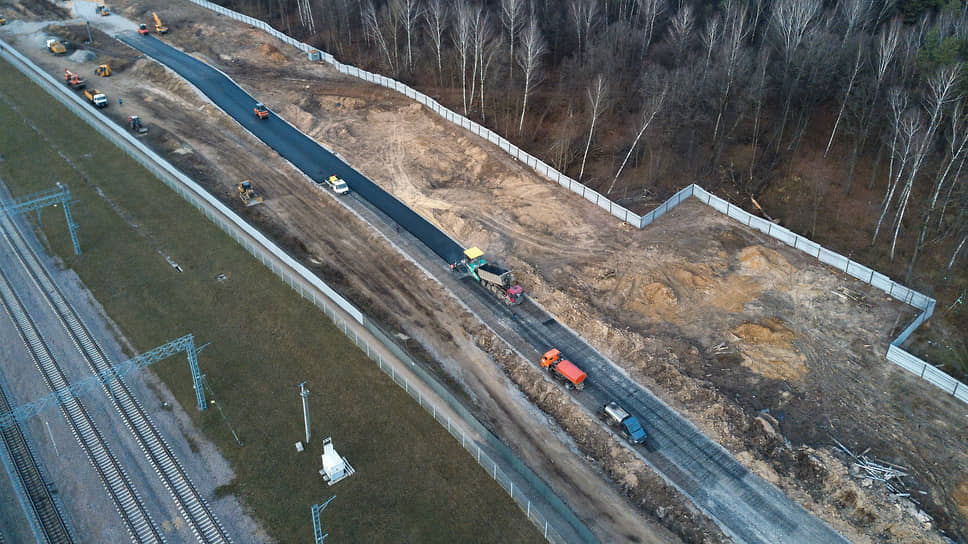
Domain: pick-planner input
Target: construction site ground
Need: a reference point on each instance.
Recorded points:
(767, 351)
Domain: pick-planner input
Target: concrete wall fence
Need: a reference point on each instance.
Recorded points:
(307, 284)
(895, 354)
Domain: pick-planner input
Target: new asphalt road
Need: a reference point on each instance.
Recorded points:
(746, 507)
(302, 151)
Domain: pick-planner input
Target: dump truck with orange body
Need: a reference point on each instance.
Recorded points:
(563, 369)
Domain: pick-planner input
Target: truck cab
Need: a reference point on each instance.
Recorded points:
(337, 185)
(563, 369)
(628, 424)
(261, 111)
(96, 97)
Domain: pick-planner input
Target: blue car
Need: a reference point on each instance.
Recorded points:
(627, 423)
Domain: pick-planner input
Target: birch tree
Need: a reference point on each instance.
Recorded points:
(597, 98)
(512, 17)
(906, 126)
(710, 37)
(529, 59)
(583, 14)
(462, 32)
(482, 36)
(854, 14)
(790, 22)
(858, 63)
(374, 30)
(408, 12)
(436, 16)
(884, 54)
(652, 107)
(680, 30)
(942, 89)
(650, 11)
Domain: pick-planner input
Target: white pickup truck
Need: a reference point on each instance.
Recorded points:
(337, 185)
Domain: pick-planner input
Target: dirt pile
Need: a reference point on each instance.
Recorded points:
(767, 349)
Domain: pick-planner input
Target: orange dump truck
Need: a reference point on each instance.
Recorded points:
(563, 369)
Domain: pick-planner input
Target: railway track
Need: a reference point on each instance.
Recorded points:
(128, 503)
(193, 508)
(45, 509)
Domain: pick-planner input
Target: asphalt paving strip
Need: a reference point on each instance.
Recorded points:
(303, 152)
(748, 508)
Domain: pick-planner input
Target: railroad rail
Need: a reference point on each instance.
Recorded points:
(42, 503)
(193, 508)
(126, 500)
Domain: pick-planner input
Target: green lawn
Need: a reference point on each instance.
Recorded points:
(414, 482)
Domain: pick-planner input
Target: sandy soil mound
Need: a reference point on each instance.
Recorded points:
(271, 53)
(961, 496)
(767, 349)
(762, 261)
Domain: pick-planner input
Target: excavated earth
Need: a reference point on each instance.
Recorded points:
(766, 350)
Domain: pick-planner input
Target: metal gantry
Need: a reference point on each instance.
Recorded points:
(317, 525)
(185, 343)
(50, 197)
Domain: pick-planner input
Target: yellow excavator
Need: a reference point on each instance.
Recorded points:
(248, 195)
(160, 28)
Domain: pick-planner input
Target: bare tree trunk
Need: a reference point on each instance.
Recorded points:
(529, 59)
(957, 250)
(650, 10)
(850, 85)
(375, 32)
(791, 20)
(512, 17)
(942, 88)
(648, 114)
(463, 28)
(760, 91)
(596, 102)
(436, 16)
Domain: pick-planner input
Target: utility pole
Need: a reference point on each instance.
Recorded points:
(304, 393)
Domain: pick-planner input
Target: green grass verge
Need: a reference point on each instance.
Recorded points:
(414, 482)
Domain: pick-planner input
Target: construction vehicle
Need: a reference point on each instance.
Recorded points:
(134, 123)
(96, 97)
(102, 10)
(56, 47)
(563, 370)
(627, 423)
(494, 278)
(159, 27)
(261, 111)
(103, 70)
(337, 185)
(73, 80)
(143, 29)
(248, 195)
(3, 20)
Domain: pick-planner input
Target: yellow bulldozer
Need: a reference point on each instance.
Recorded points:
(103, 70)
(248, 195)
